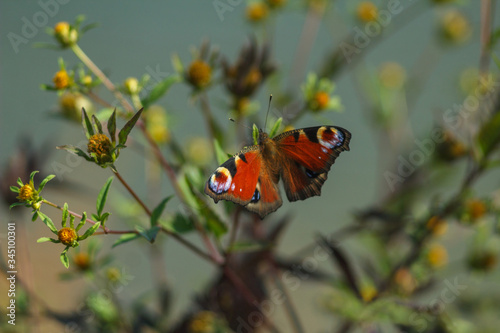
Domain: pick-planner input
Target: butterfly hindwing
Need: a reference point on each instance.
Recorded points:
(307, 156)
(243, 179)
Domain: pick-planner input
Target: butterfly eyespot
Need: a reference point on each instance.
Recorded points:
(311, 174)
(256, 196)
(220, 181)
(329, 138)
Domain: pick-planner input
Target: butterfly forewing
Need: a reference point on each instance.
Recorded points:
(308, 155)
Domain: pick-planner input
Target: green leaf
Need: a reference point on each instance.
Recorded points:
(47, 239)
(178, 224)
(64, 257)
(20, 182)
(87, 124)
(216, 226)
(32, 175)
(17, 204)
(159, 210)
(112, 126)
(103, 194)
(75, 150)
(247, 246)
(159, 90)
(65, 214)
(97, 123)
(45, 181)
(489, 135)
(104, 218)
(48, 222)
(220, 155)
(150, 234)
(496, 59)
(187, 192)
(35, 216)
(82, 221)
(90, 231)
(15, 189)
(125, 131)
(255, 134)
(276, 127)
(125, 239)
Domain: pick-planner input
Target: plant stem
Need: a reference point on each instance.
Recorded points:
(132, 192)
(72, 213)
(97, 72)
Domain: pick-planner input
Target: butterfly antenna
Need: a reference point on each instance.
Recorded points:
(242, 125)
(268, 108)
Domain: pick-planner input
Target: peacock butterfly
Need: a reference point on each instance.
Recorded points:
(301, 157)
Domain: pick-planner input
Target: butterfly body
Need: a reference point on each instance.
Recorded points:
(301, 158)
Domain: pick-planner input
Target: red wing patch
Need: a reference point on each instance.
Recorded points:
(236, 179)
(315, 148)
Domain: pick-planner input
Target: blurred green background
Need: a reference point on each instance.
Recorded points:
(134, 38)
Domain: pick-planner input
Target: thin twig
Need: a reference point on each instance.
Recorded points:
(132, 192)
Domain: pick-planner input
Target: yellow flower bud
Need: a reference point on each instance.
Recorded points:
(65, 34)
(392, 75)
(475, 209)
(131, 86)
(100, 145)
(68, 236)
(82, 261)
(437, 225)
(437, 255)
(199, 74)
(455, 27)
(257, 11)
(320, 101)
(26, 193)
(368, 293)
(202, 322)
(61, 80)
(367, 11)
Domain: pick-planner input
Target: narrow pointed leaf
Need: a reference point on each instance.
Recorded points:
(125, 239)
(17, 204)
(159, 90)
(35, 216)
(87, 124)
(75, 150)
(149, 234)
(82, 221)
(125, 131)
(65, 214)
(220, 155)
(32, 175)
(255, 134)
(159, 210)
(45, 181)
(178, 224)
(20, 182)
(340, 258)
(112, 126)
(247, 247)
(15, 189)
(90, 231)
(48, 222)
(47, 239)
(216, 226)
(103, 194)
(489, 135)
(97, 123)
(276, 127)
(64, 257)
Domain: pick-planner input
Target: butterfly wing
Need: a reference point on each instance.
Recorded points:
(243, 179)
(307, 155)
